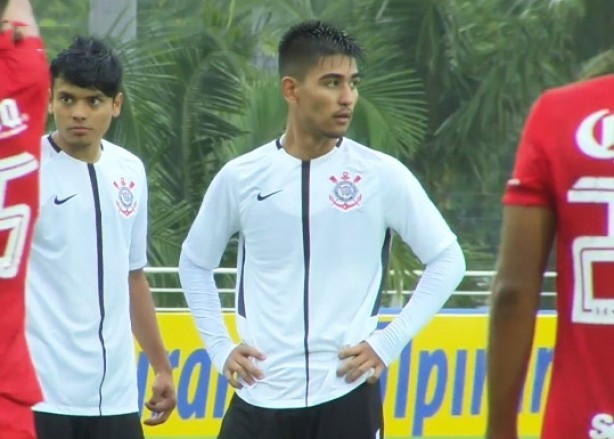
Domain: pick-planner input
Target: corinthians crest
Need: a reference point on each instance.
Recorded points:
(125, 202)
(345, 194)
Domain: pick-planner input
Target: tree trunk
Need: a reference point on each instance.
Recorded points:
(114, 18)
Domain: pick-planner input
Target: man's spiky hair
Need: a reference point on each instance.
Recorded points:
(89, 63)
(304, 44)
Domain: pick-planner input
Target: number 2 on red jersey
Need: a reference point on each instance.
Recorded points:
(590, 250)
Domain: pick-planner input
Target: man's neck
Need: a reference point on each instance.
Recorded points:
(305, 146)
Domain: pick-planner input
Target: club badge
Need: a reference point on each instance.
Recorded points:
(345, 194)
(126, 204)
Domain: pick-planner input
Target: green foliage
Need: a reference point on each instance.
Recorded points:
(447, 88)
(60, 21)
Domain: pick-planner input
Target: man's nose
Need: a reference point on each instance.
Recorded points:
(79, 111)
(347, 96)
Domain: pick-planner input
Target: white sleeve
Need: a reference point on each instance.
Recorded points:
(439, 280)
(204, 301)
(138, 239)
(216, 222)
(411, 213)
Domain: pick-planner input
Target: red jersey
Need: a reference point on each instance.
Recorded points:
(24, 85)
(565, 162)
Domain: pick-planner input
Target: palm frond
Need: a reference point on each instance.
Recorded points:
(390, 114)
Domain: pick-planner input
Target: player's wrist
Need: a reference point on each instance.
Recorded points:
(220, 356)
(166, 370)
(163, 366)
(376, 342)
(16, 29)
(499, 426)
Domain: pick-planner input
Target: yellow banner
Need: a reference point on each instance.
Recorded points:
(436, 388)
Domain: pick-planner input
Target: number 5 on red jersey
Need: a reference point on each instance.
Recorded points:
(14, 219)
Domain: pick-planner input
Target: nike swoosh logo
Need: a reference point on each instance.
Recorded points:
(63, 200)
(261, 197)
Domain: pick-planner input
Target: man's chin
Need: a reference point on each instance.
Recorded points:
(335, 134)
(77, 141)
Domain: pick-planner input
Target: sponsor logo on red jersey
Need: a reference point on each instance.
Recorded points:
(602, 426)
(595, 135)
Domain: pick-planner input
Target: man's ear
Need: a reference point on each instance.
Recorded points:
(50, 103)
(290, 88)
(118, 101)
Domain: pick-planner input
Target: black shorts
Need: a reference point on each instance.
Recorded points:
(52, 426)
(357, 415)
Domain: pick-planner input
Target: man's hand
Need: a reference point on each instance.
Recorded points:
(20, 11)
(240, 363)
(163, 399)
(359, 360)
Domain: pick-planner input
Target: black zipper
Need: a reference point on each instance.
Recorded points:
(100, 270)
(305, 174)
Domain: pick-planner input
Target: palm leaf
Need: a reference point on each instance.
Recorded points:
(390, 114)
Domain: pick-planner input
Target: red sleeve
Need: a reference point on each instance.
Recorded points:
(531, 180)
(24, 94)
(24, 84)
(23, 64)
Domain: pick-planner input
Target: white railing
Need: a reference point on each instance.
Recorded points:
(485, 275)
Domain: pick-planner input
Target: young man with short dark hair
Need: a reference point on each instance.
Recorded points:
(315, 212)
(87, 292)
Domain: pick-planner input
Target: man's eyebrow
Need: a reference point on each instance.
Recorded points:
(338, 76)
(96, 94)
